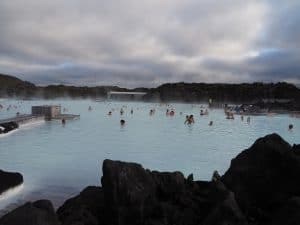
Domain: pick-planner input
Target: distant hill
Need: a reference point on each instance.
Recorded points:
(182, 92)
(7, 81)
(11, 86)
(235, 93)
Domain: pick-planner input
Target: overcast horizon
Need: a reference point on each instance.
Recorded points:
(137, 43)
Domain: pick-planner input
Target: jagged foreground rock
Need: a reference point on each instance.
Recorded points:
(38, 213)
(260, 187)
(265, 178)
(132, 195)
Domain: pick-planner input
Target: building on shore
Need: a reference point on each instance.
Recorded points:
(125, 95)
(49, 111)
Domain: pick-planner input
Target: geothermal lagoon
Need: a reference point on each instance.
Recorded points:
(58, 161)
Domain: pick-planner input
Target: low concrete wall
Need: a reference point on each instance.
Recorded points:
(31, 120)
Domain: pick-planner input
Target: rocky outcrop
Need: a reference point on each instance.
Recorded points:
(37, 213)
(261, 187)
(86, 208)
(296, 149)
(9, 180)
(133, 195)
(7, 127)
(288, 214)
(264, 177)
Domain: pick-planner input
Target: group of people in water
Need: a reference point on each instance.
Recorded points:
(230, 116)
(170, 112)
(189, 119)
(9, 107)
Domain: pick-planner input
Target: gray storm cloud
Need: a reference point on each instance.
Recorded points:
(145, 43)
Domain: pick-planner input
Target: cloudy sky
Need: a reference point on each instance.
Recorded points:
(148, 42)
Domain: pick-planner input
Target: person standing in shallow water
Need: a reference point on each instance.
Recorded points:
(248, 119)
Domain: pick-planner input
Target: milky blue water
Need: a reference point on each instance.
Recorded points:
(59, 161)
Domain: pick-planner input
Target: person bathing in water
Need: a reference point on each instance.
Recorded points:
(248, 119)
(189, 119)
(122, 122)
(186, 119)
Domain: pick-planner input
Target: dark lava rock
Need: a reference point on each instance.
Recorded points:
(84, 209)
(288, 214)
(264, 177)
(7, 127)
(296, 149)
(9, 180)
(38, 213)
(226, 211)
(134, 195)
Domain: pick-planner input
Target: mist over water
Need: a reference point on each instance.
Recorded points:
(58, 161)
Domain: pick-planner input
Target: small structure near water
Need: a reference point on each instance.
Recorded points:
(51, 112)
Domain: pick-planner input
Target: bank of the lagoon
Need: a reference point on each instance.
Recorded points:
(58, 161)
